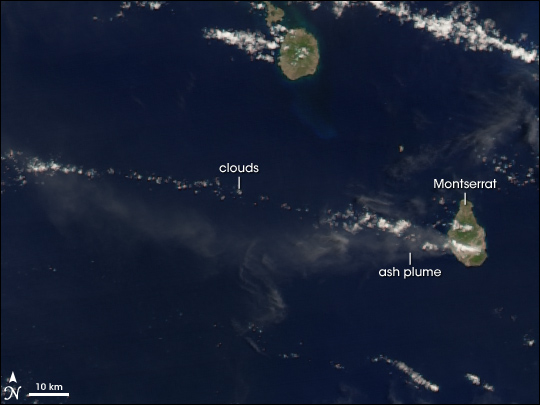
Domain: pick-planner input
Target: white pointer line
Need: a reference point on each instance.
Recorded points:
(410, 258)
(238, 182)
(48, 394)
(464, 198)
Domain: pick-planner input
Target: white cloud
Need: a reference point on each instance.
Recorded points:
(252, 43)
(460, 247)
(415, 377)
(475, 380)
(460, 26)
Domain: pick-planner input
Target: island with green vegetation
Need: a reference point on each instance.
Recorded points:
(467, 239)
(273, 14)
(299, 54)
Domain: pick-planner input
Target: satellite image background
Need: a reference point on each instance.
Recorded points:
(133, 270)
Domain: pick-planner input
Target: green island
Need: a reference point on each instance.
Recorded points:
(299, 54)
(273, 14)
(467, 239)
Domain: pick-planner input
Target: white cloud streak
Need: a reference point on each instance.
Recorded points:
(459, 27)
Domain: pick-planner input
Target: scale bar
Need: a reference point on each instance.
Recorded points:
(48, 394)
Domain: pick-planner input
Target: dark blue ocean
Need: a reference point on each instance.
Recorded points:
(124, 292)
